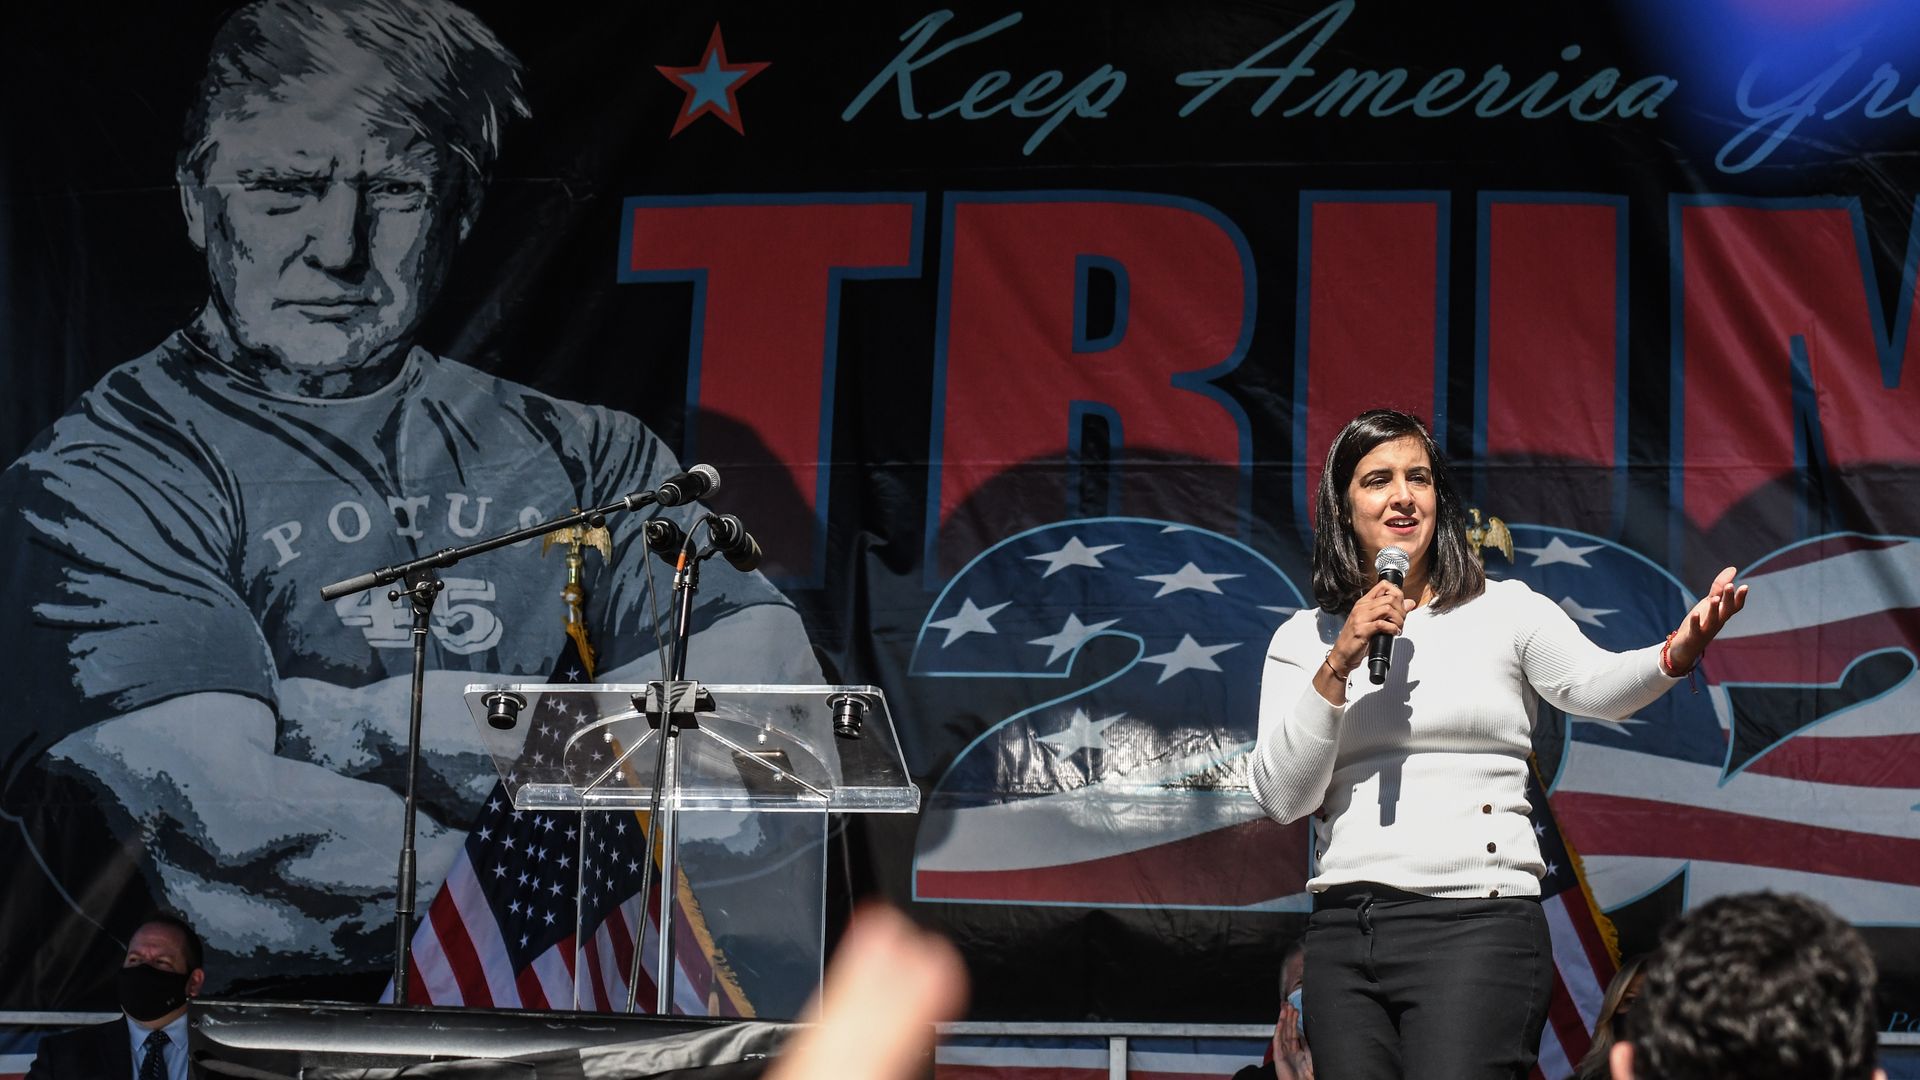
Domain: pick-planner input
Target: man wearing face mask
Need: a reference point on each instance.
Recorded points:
(162, 971)
(1287, 1056)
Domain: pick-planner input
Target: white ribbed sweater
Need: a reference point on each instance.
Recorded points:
(1421, 781)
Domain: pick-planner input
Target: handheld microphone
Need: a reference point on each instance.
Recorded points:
(1392, 564)
(696, 483)
(731, 539)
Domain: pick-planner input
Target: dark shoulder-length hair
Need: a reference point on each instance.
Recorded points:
(1338, 576)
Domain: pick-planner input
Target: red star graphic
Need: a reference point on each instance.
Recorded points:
(711, 85)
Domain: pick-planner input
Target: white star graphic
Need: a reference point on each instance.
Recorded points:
(573, 674)
(1081, 733)
(1188, 655)
(1619, 726)
(1074, 553)
(1552, 869)
(1188, 577)
(970, 620)
(1588, 615)
(1559, 551)
(1070, 637)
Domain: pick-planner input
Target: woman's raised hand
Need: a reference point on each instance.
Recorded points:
(1722, 602)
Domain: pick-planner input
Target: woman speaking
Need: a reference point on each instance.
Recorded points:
(1427, 951)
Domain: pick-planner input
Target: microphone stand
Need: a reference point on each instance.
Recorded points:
(423, 588)
(686, 582)
(671, 705)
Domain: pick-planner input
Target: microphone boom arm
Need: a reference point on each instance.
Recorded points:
(446, 557)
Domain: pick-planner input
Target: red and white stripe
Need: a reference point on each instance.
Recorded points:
(1114, 845)
(460, 959)
(1582, 967)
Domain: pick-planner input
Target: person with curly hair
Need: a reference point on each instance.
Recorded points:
(1753, 985)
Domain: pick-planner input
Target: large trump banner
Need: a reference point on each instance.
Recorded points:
(1018, 334)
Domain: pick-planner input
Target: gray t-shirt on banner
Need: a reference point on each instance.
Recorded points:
(171, 533)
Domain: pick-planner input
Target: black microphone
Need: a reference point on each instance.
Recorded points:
(1392, 563)
(349, 586)
(731, 539)
(664, 538)
(696, 483)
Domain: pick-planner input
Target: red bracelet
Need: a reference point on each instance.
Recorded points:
(1666, 663)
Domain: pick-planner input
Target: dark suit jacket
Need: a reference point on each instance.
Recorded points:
(95, 1052)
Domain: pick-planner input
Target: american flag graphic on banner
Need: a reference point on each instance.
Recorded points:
(1131, 791)
(501, 931)
(1584, 957)
(1798, 767)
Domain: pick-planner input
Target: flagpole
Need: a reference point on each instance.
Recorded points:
(574, 595)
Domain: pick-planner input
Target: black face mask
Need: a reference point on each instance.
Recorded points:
(147, 993)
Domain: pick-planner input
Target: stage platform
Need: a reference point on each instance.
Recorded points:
(973, 1050)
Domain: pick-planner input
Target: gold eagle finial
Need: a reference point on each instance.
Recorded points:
(1492, 533)
(577, 539)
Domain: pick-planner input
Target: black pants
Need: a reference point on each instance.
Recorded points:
(1401, 985)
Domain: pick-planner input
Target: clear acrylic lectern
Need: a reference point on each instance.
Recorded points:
(753, 772)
